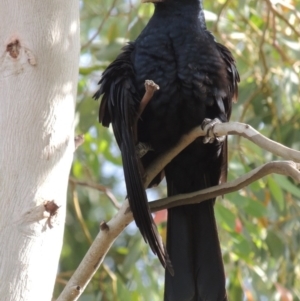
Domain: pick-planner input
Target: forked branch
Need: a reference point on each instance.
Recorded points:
(116, 225)
(109, 231)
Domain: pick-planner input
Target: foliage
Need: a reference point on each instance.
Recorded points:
(259, 225)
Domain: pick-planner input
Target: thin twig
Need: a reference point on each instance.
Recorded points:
(79, 214)
(100, 26)
(280, 16)
(216, 25)
(261, 45)
(248, 102)
(98, 187)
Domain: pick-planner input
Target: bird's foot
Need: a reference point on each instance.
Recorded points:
(208, 126)
(150, 88)
(142, 149)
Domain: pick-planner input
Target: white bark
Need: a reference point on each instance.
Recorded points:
(39, 50)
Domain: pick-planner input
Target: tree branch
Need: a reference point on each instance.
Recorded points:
(96, 254)
(109, 231)
(287, 168)
(98, 187)
(221, 129)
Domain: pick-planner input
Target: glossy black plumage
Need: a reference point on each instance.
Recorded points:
(197, 79)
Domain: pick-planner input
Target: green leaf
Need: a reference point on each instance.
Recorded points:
(122, 250)
(77, 169)
(235, 291)
(287, 185)
(113, 32)
(242, 246)
(256, 209)
(239, 200)
(225, 217)
(275, 244)
(277, 193)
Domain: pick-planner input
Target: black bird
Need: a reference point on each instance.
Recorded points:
(198, 79)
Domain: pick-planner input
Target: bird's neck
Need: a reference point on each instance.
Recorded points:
(185, 9)
(201, 15)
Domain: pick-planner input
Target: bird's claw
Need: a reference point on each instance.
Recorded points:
(208, 126)
(142, 149)
(151, 86)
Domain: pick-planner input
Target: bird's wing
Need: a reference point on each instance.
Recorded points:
(120, 102)
(232, 96)
(232, 74)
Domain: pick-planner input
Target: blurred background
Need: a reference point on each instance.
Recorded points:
(259, 226)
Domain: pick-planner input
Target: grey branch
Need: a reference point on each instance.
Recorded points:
(287, 168)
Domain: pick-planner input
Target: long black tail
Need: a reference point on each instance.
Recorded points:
(192, 237)
(118, 106)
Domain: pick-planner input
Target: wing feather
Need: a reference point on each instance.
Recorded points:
(119, 103)
(232, 73)
(232, 96)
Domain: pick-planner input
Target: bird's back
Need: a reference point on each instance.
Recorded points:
(184, 61)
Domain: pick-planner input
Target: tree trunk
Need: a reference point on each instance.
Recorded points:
(39, 51)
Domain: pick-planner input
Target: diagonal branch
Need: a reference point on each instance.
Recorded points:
(248, 132)
(110, 230)
(222, 129)
(287, 168)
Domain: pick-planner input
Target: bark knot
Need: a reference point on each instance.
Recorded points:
(104, 226)
(52, 208)
(13, 49)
